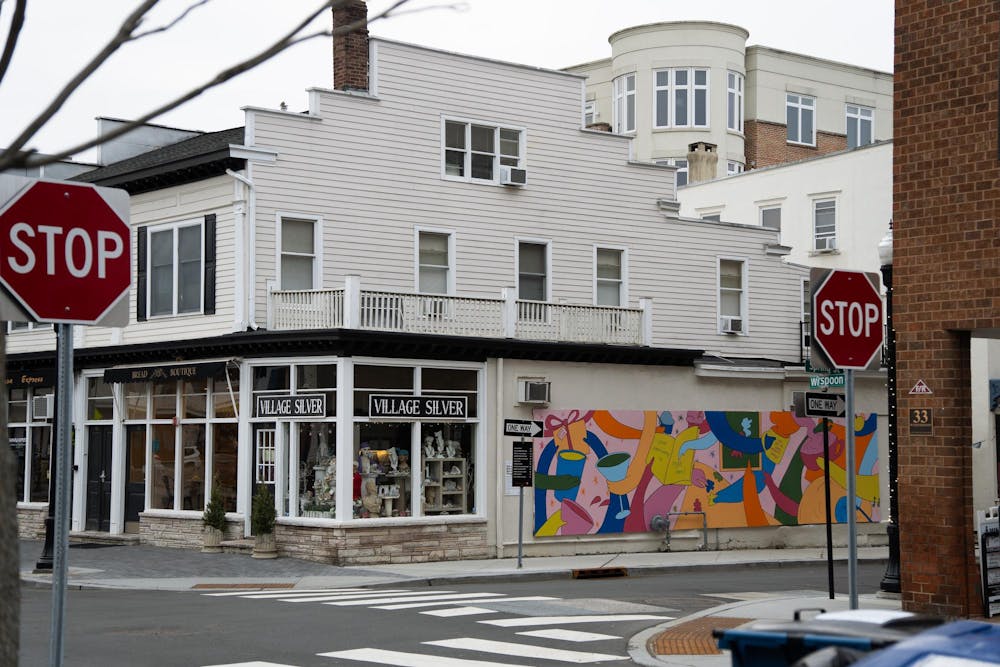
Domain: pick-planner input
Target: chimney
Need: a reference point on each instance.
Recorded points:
(350, 50)
(702, 161)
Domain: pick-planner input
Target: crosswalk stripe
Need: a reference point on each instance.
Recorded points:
(330, 594)
(450, 596)
(560, 634)
(459, 611)
(528, 621)
(370, 595)
(260, 591)
(414, 605)
(255, 663)
(523, 650)
(400, 659)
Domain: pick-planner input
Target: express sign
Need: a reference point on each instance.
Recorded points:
(64, 250)
(847, 319)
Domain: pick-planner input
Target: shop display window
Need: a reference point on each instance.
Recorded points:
(448, 481)
(225, 444)
(193, 467)
(163, 468)
(317, 470)
(194, 399)
(17, 437)
(136, 400)
(30, 437)
(382, 475)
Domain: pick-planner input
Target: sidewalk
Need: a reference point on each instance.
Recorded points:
(685, 641)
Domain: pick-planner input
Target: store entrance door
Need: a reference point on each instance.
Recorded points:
(99, 478)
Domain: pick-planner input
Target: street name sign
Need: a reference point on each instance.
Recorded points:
(824, 405)
(847, 319)
(522, 427)
(827, 381)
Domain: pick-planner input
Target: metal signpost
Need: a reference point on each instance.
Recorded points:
(64, 258)
(847, 330)
(522, 464)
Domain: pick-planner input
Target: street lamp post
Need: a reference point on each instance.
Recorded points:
(890, 580)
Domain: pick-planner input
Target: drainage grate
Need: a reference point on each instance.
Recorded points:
(600, 572)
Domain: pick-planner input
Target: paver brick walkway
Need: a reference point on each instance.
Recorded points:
(693, 637)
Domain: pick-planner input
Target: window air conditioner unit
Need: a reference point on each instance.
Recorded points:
(41, 407)
(732, 325)
(533, 392)
(826, 244)
(513, 176)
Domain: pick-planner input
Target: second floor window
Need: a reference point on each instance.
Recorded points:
(624, 104)
(434, 257)
(860, 121)
(298, 254)
(770, 217)
(609, 276)
(733, 167)
(734, 111)
(532, 271)
(175, 269)
(475, 151)
(800, 114)
(681, 97)
(589, 113)
(731, 296)
(825, 224)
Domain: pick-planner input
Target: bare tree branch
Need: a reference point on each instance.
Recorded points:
(16, 23)
(291, 38)
(168, 26)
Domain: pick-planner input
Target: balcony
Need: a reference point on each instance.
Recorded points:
(351, 307)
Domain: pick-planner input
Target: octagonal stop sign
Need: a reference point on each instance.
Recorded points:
(64, 250)
(847, 319)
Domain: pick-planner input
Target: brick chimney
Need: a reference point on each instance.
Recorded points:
(350, 50)
(703, 158)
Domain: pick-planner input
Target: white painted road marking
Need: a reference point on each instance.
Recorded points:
(399, 659)
(524, 650)
(567, 635)
(526, 622)
(458, 611)
(450, 596)
(413, 605)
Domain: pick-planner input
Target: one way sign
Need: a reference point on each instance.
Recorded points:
(522, 427)
(824, 405)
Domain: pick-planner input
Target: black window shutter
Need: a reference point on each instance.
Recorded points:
(140, 267)
(210, 264)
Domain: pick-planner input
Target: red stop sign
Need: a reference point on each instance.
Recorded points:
(64, 250)
(847, 318)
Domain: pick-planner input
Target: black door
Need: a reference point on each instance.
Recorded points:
(99, 478)
(135, 473)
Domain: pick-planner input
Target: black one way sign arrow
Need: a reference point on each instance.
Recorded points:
(522, 427)
(825, 405)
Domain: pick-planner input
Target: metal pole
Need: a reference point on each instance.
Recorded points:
(64, 424)
(852, 538)
(520, 524)
(890, 580)
(829, 511)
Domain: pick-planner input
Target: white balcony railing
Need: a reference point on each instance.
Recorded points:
(376, 310)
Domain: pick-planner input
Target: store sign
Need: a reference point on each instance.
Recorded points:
(291, 407)
(384, 406)
(23, 379)
(165, 373)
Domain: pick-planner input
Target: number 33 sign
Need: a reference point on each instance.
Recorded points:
(921, 421)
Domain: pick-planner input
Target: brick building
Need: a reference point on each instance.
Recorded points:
(947, 268)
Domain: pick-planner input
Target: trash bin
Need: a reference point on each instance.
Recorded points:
(782, 643)
(966, 643)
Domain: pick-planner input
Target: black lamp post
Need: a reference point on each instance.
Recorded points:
(890, 580)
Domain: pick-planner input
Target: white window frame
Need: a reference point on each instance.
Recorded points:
(814, 202)
(622, 278)
(27, 326)
(706, 212)
(620, 99)
(518, 240)
(589, 112)
(317, 272)
(467, 150)
(800, 106)
(858, 115)
(450, 279)
(769, 207)
(691, 88)
(744, 289)
(733, 167)
(175, 228)
(734, 100)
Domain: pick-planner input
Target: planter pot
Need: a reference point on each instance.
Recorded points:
(212, 540)
(264, 546)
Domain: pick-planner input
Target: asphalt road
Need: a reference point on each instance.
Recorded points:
(194, 629)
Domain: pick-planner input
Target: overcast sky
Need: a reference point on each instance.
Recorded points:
(60, 35)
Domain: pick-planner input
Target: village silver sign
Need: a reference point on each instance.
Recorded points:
(292, 407)
(382, 406)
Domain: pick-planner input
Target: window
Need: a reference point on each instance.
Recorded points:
(27, 326)
(680, 97)
(731, 295)
(825, 224)
(712, 217)
(682, 169)
(806, 315)
(589, 113)
(609, 276)
(30, 437)
(175, 269)
(733, 168)
(475, 151)
(434, 262)
(298, 253)
(799, 114)
(734, 115)
(532, 271)
(624, 104)
(860, 123)
(770, 217)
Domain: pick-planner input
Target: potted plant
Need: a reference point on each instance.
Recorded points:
(262, 518)
(214, 520)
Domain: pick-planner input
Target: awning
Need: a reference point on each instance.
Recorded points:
(166, 372)
(44, 377)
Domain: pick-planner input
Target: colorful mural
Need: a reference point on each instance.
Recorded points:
(611, 471)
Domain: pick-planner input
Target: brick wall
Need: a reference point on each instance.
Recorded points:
(946, 274)
(31, 523)
(767, 144)
(350, 50)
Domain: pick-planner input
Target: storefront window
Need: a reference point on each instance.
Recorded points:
(226, 395)
(136, 400)
(194, 399)
(17, 407)
(318, 379)
(382, 475)
(163, 470)
(225, 442)
(452, 382)
(100, 401)
(379, 380)
(317, 469)
(447, 475)
(164, 400)
(18, 439)
(193, 467)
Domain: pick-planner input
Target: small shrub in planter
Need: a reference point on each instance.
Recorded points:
(214, 519)
(262, 518)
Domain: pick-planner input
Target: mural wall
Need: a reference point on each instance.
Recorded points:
(608, 471)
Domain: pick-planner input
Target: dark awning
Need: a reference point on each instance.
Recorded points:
(166, 372)
(44, 377)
